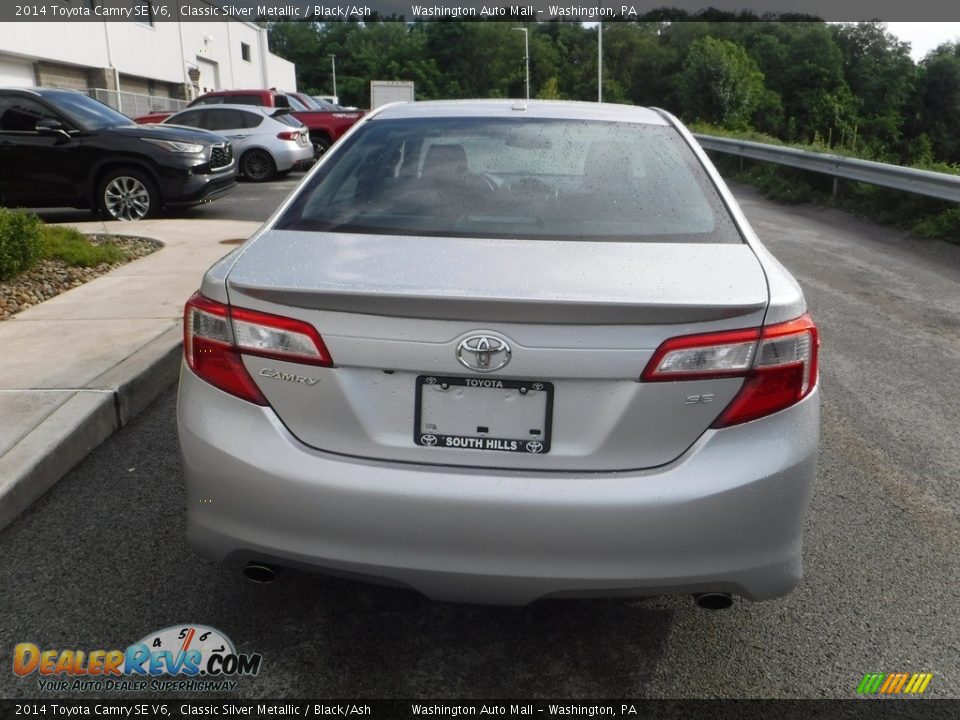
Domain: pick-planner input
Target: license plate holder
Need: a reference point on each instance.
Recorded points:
(489, 414)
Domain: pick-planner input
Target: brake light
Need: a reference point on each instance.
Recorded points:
(215, 336)
(778, 363)
(288, 134)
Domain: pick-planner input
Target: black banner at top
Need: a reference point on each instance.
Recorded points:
(156, 11)
(494, 708)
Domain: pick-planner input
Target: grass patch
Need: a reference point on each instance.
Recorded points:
(76, 249)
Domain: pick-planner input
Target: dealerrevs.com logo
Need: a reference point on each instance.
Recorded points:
(181, 657)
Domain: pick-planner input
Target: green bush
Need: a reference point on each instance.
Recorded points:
(945, 226)
(75, 248)
(20, 243)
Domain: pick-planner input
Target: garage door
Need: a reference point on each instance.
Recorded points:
(16, 73)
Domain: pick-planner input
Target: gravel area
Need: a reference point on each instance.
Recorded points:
(52, 277)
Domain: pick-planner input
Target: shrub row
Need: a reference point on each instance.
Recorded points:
(21, 242)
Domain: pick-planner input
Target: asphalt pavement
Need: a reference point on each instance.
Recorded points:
(100, 561)
(248, 201)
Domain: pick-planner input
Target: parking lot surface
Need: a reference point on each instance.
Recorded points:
(101, 561)
(247, 201)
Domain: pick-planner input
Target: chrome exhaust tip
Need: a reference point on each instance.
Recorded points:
(713, 600)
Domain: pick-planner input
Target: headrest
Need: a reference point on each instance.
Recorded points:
(445, 160)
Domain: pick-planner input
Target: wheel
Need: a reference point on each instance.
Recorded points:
(257, 165)
(321, 143)
(127, 194)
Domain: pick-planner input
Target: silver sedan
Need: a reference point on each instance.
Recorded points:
(266, 141)
(498, 351)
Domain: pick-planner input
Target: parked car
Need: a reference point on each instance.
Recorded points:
(266, 141)
(315, 102)
(498, 351)
(60, 148)
(328, 104)
(325, 127)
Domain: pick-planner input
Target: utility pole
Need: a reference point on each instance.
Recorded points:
(526, 55)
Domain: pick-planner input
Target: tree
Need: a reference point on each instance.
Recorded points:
(812, 85)
(720, 83)
(550, 90)
(939, 100)
(796, 78)
(882, 77)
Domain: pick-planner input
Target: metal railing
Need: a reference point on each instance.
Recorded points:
(135, 104)
(921, 182)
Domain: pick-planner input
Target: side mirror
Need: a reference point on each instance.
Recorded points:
(48, 126)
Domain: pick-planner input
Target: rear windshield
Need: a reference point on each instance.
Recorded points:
(287, 119)
(514, 178)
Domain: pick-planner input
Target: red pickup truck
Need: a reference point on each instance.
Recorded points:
(325, 126)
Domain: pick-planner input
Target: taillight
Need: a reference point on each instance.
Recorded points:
(778, 364)
(216, 335)
(289, 135)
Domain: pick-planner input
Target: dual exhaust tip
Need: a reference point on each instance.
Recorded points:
(264, 574)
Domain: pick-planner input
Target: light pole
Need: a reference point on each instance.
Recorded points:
(333, 66)
(526, 55)
(600, 62)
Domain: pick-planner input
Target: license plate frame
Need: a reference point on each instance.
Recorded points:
(488, 442)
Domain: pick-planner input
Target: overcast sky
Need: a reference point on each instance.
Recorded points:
(924, 36)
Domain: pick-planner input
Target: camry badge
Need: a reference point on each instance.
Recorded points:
(483, 353)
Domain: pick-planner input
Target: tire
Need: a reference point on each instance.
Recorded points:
(321, 143)
(257, 165)
(128, 194)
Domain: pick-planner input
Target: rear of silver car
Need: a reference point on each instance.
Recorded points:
(532, 395)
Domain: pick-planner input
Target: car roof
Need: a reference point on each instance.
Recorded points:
(541, 109)
(262, 109)
(252, 91)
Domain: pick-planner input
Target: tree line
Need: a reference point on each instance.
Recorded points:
(798, 79)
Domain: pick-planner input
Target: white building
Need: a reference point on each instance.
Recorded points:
(140, 66)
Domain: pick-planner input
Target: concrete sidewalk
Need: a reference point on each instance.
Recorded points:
(79, 366)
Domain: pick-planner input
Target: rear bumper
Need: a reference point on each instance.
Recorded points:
(726, 516)
(287, 158)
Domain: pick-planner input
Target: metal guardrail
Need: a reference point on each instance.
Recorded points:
(921, 182)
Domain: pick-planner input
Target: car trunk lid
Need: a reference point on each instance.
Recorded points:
(581, 320)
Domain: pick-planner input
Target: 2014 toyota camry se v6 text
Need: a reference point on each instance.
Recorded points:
(498, 351)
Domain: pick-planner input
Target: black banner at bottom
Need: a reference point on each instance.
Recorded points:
(874, 709)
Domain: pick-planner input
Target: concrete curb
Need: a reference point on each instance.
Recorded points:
(83, 364)
(84, 421)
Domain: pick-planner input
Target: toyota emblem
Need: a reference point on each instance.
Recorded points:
(483, 353)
